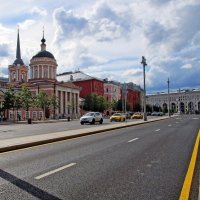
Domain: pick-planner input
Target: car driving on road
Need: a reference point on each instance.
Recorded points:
(91, 117)
(137, 116)
(118, 117)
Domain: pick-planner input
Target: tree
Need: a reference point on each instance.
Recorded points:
(113, 105)
(95, 103)
(26, 99)
(9, 100)
(53, 103)
(18, 104)
(42, 101)
(119, 105)
(102, 104)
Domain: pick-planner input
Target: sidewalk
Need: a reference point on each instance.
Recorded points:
(35, 121)
(29, 141)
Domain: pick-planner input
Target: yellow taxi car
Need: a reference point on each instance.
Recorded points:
(137, 116)
(118, 117)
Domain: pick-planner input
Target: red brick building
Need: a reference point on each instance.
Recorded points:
(88, 84)
(133, 99)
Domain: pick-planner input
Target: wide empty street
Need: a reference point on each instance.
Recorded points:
(144, 162)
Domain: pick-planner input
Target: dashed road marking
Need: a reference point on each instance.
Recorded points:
(54, 171)
(169, 125)
(157, 130)
(133, 140)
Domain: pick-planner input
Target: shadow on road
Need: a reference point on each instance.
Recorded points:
(31, 189)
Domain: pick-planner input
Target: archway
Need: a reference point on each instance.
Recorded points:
(182, 107)
(173, 107)
(191, 107)
(165, 110)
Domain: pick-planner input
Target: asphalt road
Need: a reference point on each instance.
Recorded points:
(20, 130)
(142, 162)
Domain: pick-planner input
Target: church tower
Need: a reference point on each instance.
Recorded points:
(43, 65)
(18, 71)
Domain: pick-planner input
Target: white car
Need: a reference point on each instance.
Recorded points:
(91, 117)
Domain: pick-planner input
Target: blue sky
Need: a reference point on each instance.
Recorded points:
(107, 38)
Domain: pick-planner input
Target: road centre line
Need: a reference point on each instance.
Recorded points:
(133, 140)
(157, 130)
(54, 171)
(190, 172)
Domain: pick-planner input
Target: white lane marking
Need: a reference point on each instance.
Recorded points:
(54, 171)
(157, 130)
(177, 122)
(133, 140)
(169, 125)
(195, 118)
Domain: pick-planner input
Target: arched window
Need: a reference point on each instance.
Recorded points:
(45, 73)
(13, 76)
(22, 77)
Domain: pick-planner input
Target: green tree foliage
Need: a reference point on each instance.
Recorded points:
(42, 101)
(113, 105)
(119, 105)
(53, 102)
(95, 103)
(9, 99)
(26, 98)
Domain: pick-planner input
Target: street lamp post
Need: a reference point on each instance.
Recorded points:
(1, 106)
(144, 97)
(125, 97)
(168, 98)
(54, 107)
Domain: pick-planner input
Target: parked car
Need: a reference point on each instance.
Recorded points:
(157, 114)
(119, 117)
(127, 115)
(137, 116)
(91, 117)
(154, 114)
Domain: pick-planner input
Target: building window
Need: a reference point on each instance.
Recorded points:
(35, 73)
(13, 76)
(40, 115)
(27, 114)
(23, 77)
(45, 73)
(34, 115)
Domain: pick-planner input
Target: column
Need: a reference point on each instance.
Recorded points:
(42, 71)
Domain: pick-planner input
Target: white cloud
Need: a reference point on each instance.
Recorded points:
(186, 66)
(107, 38)
(39, 11)
(26, 24)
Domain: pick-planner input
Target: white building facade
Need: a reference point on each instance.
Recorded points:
(184, 101)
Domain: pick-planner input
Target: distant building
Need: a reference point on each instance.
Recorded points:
(112, 91)
(88, 84)
(184, 101)
(133, 99)
(3, 80)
